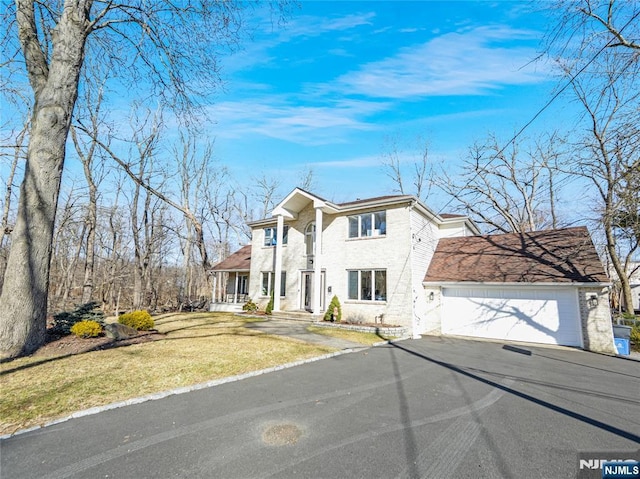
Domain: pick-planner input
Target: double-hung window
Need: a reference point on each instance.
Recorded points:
(368, 285)
(271, 235)
(368, 224)
(267, 283)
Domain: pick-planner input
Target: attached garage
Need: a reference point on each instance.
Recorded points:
(544, 287)
(539, 315)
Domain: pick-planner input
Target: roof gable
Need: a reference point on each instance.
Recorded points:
(238, 261)
(552, 256)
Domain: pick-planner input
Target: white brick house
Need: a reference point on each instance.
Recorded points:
(393, 258)
(371, 253)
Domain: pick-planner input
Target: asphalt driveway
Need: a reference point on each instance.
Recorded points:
(434, 407)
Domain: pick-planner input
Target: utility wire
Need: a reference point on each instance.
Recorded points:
(535, 117)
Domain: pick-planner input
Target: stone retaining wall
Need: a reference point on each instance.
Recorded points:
(395, 331)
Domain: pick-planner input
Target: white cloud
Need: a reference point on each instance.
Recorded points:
(277, 117)
(461, 63)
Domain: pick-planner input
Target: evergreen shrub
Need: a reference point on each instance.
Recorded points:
(62, 322)
(335, 303)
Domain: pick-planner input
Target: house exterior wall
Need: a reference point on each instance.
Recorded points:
(404, 253)
(424, 239)
(294, 260)
(597, 332)
(634, 279)
(450, 230)
(390, 252)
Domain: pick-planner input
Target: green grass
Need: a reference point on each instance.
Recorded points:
(197, 347)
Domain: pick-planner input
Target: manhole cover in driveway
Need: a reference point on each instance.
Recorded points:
(281, 434)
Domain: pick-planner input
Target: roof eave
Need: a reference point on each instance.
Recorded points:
(517, 283)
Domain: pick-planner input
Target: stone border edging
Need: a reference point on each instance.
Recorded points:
(396, 331)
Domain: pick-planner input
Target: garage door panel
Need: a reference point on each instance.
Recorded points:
(542, 316)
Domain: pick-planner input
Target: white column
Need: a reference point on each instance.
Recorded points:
(317, 264)
(278, 265)
(214, 288)
(235, 290)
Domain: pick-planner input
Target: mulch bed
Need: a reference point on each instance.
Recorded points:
(67, 345)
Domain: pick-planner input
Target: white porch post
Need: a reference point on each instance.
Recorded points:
(235, 290)
(278, 266)
(317, 264)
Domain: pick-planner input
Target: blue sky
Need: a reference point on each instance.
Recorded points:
(341, 80)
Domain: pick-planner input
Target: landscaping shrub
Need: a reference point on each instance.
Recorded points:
(335, 303)
(269, 309)
(635, 337)
(86, 329)
(250, 306)
(140, 320)
(62, 322)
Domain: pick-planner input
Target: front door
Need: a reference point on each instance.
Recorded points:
(307, 290)
(308, 278)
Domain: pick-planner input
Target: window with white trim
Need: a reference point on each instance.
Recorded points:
(367, 285)
(267, 283)
(368, 224)
(271, 235)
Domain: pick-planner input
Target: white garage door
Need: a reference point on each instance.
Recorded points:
(537, 315)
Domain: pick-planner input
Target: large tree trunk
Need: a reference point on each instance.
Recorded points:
(23, 303)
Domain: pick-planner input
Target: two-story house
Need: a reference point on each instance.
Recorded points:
(389, 258)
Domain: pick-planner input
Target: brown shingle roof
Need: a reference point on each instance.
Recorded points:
(551, 256)
(238, 261)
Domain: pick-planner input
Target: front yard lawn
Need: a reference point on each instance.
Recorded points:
(191, 348)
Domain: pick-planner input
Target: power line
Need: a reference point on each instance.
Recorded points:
(535, 117)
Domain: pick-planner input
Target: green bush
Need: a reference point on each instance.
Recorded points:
(140, 320)
(635, 337)
(269, 309)
(250, 307)
(63, 322)
(86, 329)
(328, 315)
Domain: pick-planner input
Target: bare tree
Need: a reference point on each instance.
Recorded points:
(265, 191)
(171, 46)
(5, 227)
(421, 175)
(506, 189)
(596, 46)
(87, 151)
(610, 155)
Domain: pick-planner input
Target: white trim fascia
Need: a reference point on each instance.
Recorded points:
(458, 284)
(230, 270)
(262, 222)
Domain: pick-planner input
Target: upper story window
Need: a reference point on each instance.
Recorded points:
(310, 238)
(368, 224)
(271, 235)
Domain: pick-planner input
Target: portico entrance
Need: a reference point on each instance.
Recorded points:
(306, 297)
